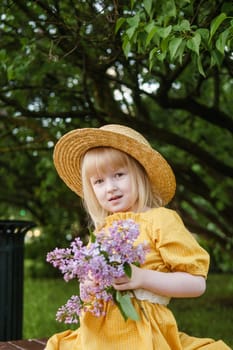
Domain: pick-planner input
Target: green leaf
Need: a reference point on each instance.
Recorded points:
(173, 46)
(126, 307)
(216, 23)
(147, 4)
(149, 26)
(119, 24)
(164, 45)
(127, 269)
(164, 32)
(134, 21)
(92, 237)
(183, 26)
(200, 67)
(151, 57)
(168, 9)
(222, 41)
(204, 33)
(126, 46)
(161, 56)
(132, 3)
(194, 43)
(216, 58)
(130, 32)
(10, 72)
(151, 35)
(180, 51)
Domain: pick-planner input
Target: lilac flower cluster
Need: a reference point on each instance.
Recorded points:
(96, 266)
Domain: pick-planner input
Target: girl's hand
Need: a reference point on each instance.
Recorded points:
(171, 284)
(126, 283)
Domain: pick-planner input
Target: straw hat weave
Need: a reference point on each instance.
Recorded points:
(71, 147)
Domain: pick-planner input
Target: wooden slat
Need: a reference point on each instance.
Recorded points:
(6, 346)
(30, 344)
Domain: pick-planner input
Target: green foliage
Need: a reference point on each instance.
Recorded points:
(200, 316)
(172, 30)
(42, 298)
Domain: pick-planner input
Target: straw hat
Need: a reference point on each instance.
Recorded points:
(71, 147)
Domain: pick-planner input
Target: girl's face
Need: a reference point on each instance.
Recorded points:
(114, 189)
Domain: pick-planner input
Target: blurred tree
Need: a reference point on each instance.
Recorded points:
(162, 67)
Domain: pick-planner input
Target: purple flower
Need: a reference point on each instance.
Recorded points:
(96, 266)
(68, 313)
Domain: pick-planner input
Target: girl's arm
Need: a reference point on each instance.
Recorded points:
(170, 284)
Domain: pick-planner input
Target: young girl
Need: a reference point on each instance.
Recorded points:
(119, 176)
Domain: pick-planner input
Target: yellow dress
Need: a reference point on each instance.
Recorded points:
(172, 248)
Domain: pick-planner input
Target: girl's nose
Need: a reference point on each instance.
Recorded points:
(111, 186)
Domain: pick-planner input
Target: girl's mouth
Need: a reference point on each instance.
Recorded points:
(114, 198)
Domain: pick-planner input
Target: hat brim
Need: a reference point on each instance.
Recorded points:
(70, 149)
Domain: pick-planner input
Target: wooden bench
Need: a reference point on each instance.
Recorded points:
(29, 344)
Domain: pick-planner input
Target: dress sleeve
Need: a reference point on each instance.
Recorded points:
(178, 248)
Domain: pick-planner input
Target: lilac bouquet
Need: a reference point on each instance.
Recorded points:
(109, 255)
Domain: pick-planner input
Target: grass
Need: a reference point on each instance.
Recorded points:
(208, 316)
(211, 315)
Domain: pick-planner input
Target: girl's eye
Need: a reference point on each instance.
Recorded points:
(97, 181)
(117, 175)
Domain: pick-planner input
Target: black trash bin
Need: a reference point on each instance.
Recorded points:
(12, 235)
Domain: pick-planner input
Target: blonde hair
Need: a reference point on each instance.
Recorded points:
(94, 162)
